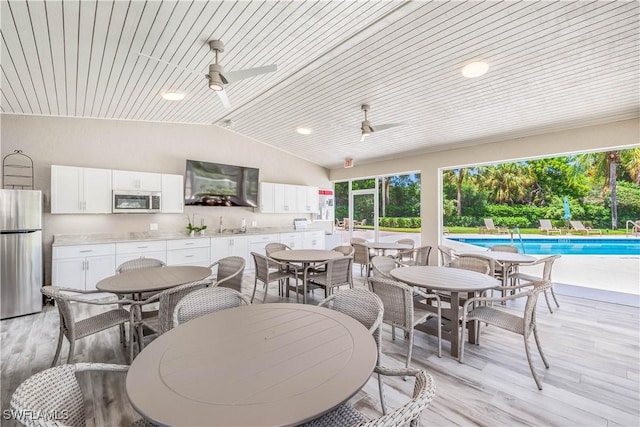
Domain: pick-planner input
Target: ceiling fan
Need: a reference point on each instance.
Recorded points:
(367, 129)
(218, 78)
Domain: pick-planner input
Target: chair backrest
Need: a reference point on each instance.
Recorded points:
(473, 263)
(363, 222)
(270, 248)
(532, 299)
(545, 224)
(339, 271)
(67, 319)
(230, 271)
(409, 242)
(169, 298)
(359, 303)
(447, 254)
(205, 301)
(504, 248)
(345, 223)
(358, 240)
(421, 255)
(548, 266)
(578, 225)
(261, 264)
(346, 250)
(382, 265)
(488, 222)
(43, 398)
(361, 253)
(397, 299)
(138, 263)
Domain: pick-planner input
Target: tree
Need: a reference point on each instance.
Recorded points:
(506, 183)
(605, 165)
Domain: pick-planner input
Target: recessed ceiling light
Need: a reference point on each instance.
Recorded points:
(173, 96)
(475, 69)
(303, 130)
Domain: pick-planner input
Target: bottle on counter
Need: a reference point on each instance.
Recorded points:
(243, 227)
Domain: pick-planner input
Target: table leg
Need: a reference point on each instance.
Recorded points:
(455, 323)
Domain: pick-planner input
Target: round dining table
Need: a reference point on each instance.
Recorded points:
(305, 257)
(257, 365)
(454, 281)
(385, 246)
(152, 279)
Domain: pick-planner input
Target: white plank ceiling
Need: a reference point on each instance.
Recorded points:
(553, 65)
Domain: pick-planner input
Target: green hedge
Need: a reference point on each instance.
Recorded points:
(414, 222)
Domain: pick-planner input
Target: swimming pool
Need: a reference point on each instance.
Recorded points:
(562, 245)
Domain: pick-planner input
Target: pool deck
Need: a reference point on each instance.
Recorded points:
(613, 278)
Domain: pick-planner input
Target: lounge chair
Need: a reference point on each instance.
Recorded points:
(578, 227)
(545, 225)
(489, 227)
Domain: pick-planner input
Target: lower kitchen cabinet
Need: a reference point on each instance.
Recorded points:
(188, 252)
(222, 247)
(82, 266)
(128, 251)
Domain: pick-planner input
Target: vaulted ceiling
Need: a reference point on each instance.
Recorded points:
(552, 65)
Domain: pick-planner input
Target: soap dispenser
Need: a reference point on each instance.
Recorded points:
(243, 227)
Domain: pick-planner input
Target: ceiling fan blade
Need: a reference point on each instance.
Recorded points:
(234, 76)
(162, 61)
(378, 128)
(222, 94)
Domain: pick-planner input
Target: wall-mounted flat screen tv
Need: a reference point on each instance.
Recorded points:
(215, 184)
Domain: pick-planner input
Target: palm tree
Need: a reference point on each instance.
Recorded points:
(507, 182)
(604, 165)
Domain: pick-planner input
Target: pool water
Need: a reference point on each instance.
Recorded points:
(562, 245)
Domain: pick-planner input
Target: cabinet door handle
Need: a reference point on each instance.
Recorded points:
(87, 264)
(188, 256)
(189, 244)
(142, 247)
(87, 250)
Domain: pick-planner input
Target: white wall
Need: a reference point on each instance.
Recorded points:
(148, 147)
(592, 138)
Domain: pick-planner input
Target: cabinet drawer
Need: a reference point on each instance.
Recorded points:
(188, 243)
(140, 247)
(193, 256)
(266, 238)
(60, 252)
(313, 234)
(290, 236)
(121, 258)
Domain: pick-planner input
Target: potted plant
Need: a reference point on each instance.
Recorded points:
(193, 229)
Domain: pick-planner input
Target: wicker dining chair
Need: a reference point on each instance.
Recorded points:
(382, 265)
(405, 254)
(546, 276)
(361, 255)
(478, 264)
(266, 274)
(205, 301)
(331, 274)
(346, 250)
(162, 321)
(447, 254)
(424, 391)
(400, 311)
(74, 329)
(499, 268)
(229, 272)
(367, 308)
(138, 263)
(53, 397)
(494, 315)
(419, 256)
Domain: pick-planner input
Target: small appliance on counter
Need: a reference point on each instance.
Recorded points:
(20, 252)
(300, 223)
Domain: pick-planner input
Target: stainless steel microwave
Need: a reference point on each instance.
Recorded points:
(136, 201)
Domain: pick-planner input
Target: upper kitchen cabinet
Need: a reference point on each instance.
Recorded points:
(80, 190)
(286, 198)
(141, 181)
(172, 193)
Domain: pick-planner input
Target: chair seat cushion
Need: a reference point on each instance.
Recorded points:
(343, 415)
(498, 318)
(101, 322)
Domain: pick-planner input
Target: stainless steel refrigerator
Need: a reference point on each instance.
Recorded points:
(20, 252)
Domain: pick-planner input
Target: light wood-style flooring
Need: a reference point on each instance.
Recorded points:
(593, 349)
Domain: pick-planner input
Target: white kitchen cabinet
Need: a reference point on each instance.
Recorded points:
(293, 240)
(77, 190)
(285, 198)
(172, 193)
(82, 266)
(257, 243)
(189, 252)
(313, 239)
(127, 251)
(140, 181)
(267, 197)
(307, 199)
(222, 247)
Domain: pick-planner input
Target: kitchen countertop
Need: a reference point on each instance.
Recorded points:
(83, 239)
